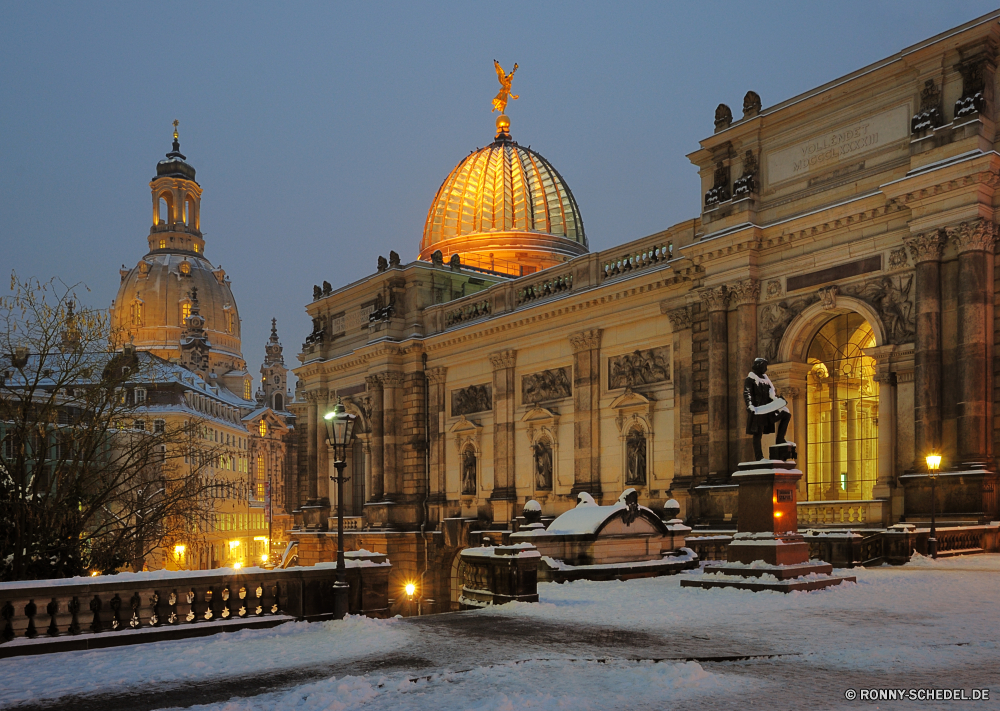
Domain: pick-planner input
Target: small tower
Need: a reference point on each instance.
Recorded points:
(176, 205)
(194, 341)
(274, 374)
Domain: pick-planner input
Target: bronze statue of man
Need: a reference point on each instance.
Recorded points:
(758, 391)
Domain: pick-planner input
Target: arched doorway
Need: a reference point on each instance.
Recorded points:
(842, 406)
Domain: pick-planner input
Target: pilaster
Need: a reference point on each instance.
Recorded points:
(504, 491)
(716, 300)
(586, 412)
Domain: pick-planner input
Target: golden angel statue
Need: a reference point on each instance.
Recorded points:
(500, 101)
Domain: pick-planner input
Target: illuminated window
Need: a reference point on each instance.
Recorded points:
(185, 311)
(263, 428)
(260, 491)
(136, 313)
(246, 389)
(163, 244)
(843, 411)
(196, 247)
(230, 320)
(261, 472)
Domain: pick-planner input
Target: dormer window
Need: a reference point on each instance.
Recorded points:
(140, 395)
(263, 428)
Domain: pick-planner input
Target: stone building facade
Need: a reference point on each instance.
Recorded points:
(846, 234)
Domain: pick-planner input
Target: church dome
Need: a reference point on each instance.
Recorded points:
(506, 208)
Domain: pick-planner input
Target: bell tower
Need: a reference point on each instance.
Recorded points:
(274, 374)
(176, 205)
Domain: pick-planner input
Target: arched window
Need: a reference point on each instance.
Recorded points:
(135, 314)
(279, 402)
(162, 211)
(230, 320)
(635, 457)
(470, 471)
(185, 311)
(843, 411)
(189, 211)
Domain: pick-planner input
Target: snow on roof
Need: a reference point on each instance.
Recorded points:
(583, 520)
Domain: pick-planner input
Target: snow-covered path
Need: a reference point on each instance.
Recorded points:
(629, 645)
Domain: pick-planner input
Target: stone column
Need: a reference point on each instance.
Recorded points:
(886, 434)
(436, 378)
(392, 387)
(680, 321)
(503, 425)
(587, 412)
(717, 301)
(376, 491)
(926, 250)
(312, 421)
(323, 453)
(975, 242)
(744, 295)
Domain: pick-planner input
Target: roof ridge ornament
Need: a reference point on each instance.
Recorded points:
(176, 152)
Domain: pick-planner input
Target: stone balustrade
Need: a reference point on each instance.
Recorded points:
(467, 312)
(556, 284)
(497, 575)
(709, 547)
(84, 613)
(652, 255)
(841, 513)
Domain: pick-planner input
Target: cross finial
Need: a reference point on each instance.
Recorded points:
(176, 124)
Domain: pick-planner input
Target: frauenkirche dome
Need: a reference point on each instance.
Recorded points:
(506, 208)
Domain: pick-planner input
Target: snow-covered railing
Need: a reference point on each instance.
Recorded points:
(143, 607)
(495, 575)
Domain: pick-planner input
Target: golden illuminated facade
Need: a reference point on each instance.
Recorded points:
(847, 235)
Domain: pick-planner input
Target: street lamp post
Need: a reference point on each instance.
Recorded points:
(933, 466)
(340, 430)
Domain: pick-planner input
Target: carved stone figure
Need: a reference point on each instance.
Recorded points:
(828, 295)
(317, 333)
(546, 385)
(773, 288)
(382, 264)
(327, 288)
(455, 262)
(751, 104)
(930, 115)
(723, 117)
(639, 368)
(774, 320)
(469, 472)
(393, 259)
(437, 258)
(475, 398)
(897, 258)
(890, 296)
(500, 100)
(542, 451)
(635, 458)
(972, 100)
(720, 186)
(317, 292)
(758, 391)
(747, 183)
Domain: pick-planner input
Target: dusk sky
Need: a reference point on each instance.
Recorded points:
(321, 131)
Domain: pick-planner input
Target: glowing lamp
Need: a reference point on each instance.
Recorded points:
(237, 565)
(410, 589)
(94, 573)
(778, 514)
(339, 428)
(179, 550)
(263, 558)
(933, 464)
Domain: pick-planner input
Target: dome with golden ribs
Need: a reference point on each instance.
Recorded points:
(504, 208)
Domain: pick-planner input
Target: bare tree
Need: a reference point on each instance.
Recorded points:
(85, 482)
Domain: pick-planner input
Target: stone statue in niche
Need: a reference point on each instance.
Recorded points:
(720, 186)
(930, 115)
(723, 117)
(635, 457)
(546, 385)
(891, 298)
(774, 320)
(972, 101)
(747, 183)
(758, 394)
(639, 368)
(469, 472)
(542, 450)
(751, 104)
(475, 398)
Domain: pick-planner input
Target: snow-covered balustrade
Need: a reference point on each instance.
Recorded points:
(842, 513)
(494, 575)
(131, 608)
(624, 540)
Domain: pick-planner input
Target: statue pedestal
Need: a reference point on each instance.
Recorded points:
(767, 542)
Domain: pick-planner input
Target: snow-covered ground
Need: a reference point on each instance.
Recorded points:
(587, 645)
